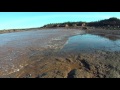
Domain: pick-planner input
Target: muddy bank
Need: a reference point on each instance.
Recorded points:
(50, 62)
(99, 64)
(103, 31)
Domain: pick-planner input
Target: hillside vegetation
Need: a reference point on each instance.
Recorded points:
(111, 23)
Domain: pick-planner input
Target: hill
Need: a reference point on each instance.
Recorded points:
(111, 23)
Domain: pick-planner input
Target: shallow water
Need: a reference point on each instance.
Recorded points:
(89, 42)
(17, 48)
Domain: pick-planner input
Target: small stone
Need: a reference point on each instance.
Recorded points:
(28, 76)
(42, 75)
(58, 76)
(59, 59)
(69, 60)
(79, 73)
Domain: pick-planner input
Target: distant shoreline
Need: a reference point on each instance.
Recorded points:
(89, 30)
(29, 29)
(16, 30)
(112, 24)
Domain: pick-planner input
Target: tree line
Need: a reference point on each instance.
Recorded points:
(112, 22)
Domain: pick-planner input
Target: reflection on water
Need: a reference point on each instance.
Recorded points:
(88, 42)
(111, 37)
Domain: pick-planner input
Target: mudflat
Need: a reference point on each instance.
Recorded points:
(38, 54)
(17, 49)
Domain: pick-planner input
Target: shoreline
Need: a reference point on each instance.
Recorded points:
(29, 45)
(89, 30)
(55, 64)
(102, 31)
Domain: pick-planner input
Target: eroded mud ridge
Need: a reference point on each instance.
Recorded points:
(99, 64)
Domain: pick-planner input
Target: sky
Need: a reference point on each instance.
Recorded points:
(18, 20)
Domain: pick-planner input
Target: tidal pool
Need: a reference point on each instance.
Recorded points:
(90, 42)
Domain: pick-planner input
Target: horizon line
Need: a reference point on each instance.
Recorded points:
(57, 23)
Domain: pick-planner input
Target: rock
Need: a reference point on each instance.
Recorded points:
(51, 74)
(113, 74)
(58, 76)
(60, 59)
(85, 64)
(102, 53)
(92, 68)
(79, 57)
(69, 60)
(79, 73)
(42, 75)
(101, 76)
(28, 76)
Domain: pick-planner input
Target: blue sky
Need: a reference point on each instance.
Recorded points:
(15, 20)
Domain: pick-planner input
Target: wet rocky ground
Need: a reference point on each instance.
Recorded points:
(53, 63)
(16, 49)
(99, 64)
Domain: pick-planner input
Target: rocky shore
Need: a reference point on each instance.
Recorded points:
(51, 63)
(99, 64)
